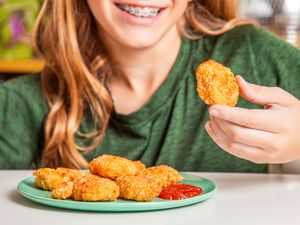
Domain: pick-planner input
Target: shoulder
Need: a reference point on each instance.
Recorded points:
(241, 32)
(23, 83)
(248, 33)
(22, 112)
(245, 36)
(24, 92)
(244, 45)
(225, 45)
(258, 40)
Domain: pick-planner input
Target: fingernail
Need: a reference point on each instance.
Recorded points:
(214, 112)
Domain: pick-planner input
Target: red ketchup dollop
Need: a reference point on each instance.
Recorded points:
(179, 191)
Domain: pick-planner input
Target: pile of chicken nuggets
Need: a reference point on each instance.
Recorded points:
(110, 177)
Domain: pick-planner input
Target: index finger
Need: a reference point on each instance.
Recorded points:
(253, 118)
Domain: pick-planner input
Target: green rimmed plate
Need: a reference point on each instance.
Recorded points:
(28, 190)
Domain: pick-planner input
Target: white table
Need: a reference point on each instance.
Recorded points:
(241, 199)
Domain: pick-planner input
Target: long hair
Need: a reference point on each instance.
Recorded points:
(77, 67)
(210, 17)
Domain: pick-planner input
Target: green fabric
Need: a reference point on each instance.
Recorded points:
(169, 129)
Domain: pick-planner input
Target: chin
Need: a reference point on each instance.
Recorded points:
(140, 41)
(140, 44)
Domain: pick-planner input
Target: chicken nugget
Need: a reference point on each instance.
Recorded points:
(49, 179)
(137, 188)
(139, 166)
(162, 175)
(92, 188)
(71, 173)
(112, 167)
(64, 191)
(216, 84)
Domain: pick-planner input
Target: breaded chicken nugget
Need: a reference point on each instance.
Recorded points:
(112, 167)
(71, 173)
(162, 175)
(139, 166)
(49, 179)
(137, 188)
(64, 191)
(92, 188)
(216, 84)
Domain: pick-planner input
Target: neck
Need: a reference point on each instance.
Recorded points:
(138, 73)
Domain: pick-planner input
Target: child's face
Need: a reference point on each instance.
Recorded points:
(137, 23)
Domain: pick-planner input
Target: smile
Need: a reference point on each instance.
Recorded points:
(140, 11)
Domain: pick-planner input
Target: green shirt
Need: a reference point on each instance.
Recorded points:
(169, 129)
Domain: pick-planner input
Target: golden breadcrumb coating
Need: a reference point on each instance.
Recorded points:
(112, 167)
(162, 175)
(49, 179)
(139, 166)
(216, 84)
(71, 173)
(137, 188)
(133, 181)
(92, 188)
(64, 191)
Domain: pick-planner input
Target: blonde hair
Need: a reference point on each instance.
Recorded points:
(77, 65)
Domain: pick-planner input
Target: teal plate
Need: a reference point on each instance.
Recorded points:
(28, 190)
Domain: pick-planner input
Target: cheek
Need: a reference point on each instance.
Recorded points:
(100, 10)
(179, 7)
(94, 5)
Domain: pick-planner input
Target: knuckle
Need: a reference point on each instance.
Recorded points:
(230, 146)
(277, 89)
(273, 156)
(281, 92)
(249, 122)
(235, 135)
(274, 144)
(279, 145)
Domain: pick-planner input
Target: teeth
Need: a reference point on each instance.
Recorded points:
(140, 12)
(146, 12)
(153, 12)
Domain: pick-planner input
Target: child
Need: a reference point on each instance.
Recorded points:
(119, 79)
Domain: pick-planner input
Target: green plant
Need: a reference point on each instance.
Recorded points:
(16, 21)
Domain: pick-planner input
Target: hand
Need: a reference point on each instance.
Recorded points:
(269, 135)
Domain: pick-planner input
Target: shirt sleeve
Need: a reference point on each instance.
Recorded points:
(21, 121)
(276, 59)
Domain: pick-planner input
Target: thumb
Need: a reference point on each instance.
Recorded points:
(261, 95)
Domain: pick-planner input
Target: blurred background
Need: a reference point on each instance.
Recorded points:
(16, 21)
(279, 16)
(17, 18)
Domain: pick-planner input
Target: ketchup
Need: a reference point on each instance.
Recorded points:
(179, 191)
